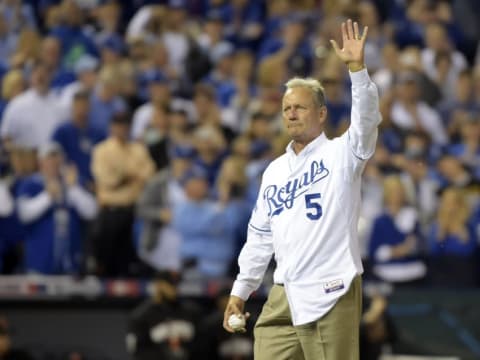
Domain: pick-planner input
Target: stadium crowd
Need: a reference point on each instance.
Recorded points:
(134, 134)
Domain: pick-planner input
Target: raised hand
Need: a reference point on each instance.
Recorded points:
(352, 52)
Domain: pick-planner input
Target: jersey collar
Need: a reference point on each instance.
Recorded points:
(316, 143)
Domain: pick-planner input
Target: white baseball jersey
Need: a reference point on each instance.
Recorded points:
(306, 214)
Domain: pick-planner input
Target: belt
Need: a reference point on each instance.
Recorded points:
(278, 284)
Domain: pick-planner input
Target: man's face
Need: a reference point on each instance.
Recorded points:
(51, 165)
(120, 131)
(80, 110)
(40, 78)
(302, 117)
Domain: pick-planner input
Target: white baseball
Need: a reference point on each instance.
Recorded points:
(236, 322)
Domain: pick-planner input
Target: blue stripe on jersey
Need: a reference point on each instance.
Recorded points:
(258, 229)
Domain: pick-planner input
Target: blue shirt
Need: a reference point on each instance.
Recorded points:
(75, 43)
(78, 144)
(208, 234)
(385, 232)
(451, 244)
(52, 241)
(101, 112)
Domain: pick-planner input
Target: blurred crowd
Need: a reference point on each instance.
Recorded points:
(134, 134)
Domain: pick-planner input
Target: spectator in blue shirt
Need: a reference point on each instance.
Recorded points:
(52, 204)
(8, 41)
(452, 241)
(77, 138)
(75, 42)
(292, 47)
(206, 228)
(337, 106)
(221, 76)
(50, 54)
(244, 21)
(467, 149)
(105, 102)
(395, 238)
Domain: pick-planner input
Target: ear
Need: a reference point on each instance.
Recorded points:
(322, 114)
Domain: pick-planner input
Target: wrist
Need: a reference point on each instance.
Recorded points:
(354, 66)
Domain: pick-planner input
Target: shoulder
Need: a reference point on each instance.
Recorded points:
(143, 110)
(20, 100)
(276, 165)
(103, 146)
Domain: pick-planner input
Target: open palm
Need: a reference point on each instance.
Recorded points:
(353, 48)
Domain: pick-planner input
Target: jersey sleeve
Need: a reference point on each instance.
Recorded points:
(257, 251)
(365, 117)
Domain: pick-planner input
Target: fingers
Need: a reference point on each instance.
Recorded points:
(365, 33)
(344, 32)
(356, 33)
(350, 33)
(231, 309)
(335, 46)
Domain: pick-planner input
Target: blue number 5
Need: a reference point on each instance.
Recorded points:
(310, 203)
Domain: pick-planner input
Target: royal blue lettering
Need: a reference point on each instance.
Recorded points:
(281, 198)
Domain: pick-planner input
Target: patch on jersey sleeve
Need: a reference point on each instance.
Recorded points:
(333, 285)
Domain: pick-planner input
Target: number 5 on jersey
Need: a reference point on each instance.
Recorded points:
(314, 208)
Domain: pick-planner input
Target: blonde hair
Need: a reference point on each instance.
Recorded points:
(310, 83)
(453, 219)
(10, 83)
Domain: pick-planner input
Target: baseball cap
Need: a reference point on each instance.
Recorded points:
(183, 152)
(85, 63)
(113, 43)
(195, 172)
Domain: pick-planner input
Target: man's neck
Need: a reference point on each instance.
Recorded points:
(299, 145)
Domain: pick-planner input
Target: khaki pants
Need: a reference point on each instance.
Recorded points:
(333, 337)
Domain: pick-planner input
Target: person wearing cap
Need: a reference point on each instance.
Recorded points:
(164, 326)
(207, 228)
(30, 118)
(74, 41)
(156, 86)
(78, 137)
(111, 50)
(120, 168)
(221, 75)
(86, 72)
(52, 205)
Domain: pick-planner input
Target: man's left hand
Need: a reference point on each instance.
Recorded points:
(352, 52)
